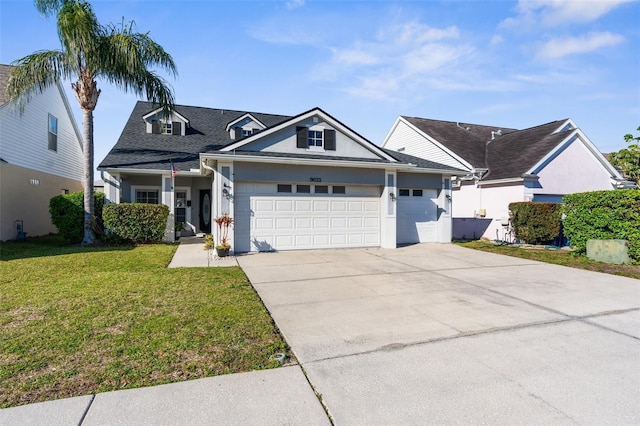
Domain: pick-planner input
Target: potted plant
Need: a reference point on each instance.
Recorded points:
(179, 227)
(224, 223)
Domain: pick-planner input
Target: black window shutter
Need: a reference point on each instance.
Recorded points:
(176, 128)
(329, 140)
(303, 137)
(155, 127)
(238, 133)
(254, 131)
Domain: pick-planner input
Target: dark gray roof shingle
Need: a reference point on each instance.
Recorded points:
(509, 155)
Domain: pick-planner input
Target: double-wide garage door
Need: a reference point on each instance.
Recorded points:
(271, 216)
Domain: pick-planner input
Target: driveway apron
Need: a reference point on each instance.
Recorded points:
(436, 333)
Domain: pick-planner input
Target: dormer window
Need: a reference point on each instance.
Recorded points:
(175, 124)
(246, 132)
(167, 128)
(315, 138)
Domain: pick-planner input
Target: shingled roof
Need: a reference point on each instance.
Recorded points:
(509, 155)
(207, 133)
(141, 150)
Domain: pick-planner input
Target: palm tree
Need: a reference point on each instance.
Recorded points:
(90, 51)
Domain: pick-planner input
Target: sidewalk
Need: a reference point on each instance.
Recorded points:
(192, 254)
(267, 397)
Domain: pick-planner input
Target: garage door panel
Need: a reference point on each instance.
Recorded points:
(284, 205)
(286, 221)
(304, 223)
(417, 218)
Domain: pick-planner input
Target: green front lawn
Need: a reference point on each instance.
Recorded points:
(558, 257)
(76, 320)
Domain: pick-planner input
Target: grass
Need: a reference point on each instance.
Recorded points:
(78, 320)
(558, 257)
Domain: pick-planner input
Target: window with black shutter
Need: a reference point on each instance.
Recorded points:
(302, 135)
(330, 140)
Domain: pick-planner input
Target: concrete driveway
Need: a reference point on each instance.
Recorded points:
(435, 333)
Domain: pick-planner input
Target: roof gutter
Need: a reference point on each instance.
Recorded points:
(306, 161)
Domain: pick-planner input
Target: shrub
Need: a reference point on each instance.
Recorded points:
(67, 214)
(535, 223)
(603, 215)
(139, 223)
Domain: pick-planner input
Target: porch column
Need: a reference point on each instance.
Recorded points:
(168, 200)
(445, 205)
(388, 210)
(222, 193)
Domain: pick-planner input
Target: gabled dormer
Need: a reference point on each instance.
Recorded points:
(175, 124)
(243, 126)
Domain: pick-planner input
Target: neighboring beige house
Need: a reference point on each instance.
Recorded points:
(40, 157)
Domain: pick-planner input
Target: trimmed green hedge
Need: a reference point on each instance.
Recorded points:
(603, 215)
(67, 214)
(139, 223)
(535, 223)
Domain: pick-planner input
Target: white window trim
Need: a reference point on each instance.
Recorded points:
(135, 188)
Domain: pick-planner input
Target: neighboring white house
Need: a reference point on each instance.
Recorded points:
(302, 182)
(40, 157)
(502, 165)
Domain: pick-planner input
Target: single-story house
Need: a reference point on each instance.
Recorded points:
(40, 157)
(503, 165)
(301, 182)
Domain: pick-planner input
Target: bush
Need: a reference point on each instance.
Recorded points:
(67, 214)
(603, 215)
(138, 223)
(535, 223)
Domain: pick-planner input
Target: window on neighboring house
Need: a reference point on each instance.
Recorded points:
(53, 133)
(315, 138)
(147, 196)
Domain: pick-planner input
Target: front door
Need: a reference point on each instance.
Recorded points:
(205, 211)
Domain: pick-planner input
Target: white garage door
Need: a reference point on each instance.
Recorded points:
(417, 216)
(305, 216)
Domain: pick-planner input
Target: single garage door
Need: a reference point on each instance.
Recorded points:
(272, 216)
(417, 216)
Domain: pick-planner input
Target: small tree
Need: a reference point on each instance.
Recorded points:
(628, 159)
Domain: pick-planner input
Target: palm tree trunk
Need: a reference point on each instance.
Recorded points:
(87, 134)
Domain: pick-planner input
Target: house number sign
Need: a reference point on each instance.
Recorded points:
(314, 179)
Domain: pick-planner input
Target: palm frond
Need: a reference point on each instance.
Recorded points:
(79, 31)
(36, 72)
(48, 7)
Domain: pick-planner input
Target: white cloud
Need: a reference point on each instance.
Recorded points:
(560, 47)
(294, 4)
(552, 13)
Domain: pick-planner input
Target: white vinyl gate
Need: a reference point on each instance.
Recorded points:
(310, 216)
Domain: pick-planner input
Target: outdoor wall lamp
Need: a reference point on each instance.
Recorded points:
(392, 196)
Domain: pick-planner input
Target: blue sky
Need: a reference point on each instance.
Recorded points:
(501, 63)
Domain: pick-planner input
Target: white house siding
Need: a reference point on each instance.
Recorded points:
(24, 137)
(574, 169)
(468, 201)
(416, 144)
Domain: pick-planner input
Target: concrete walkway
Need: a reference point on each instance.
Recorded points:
(192, 254)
